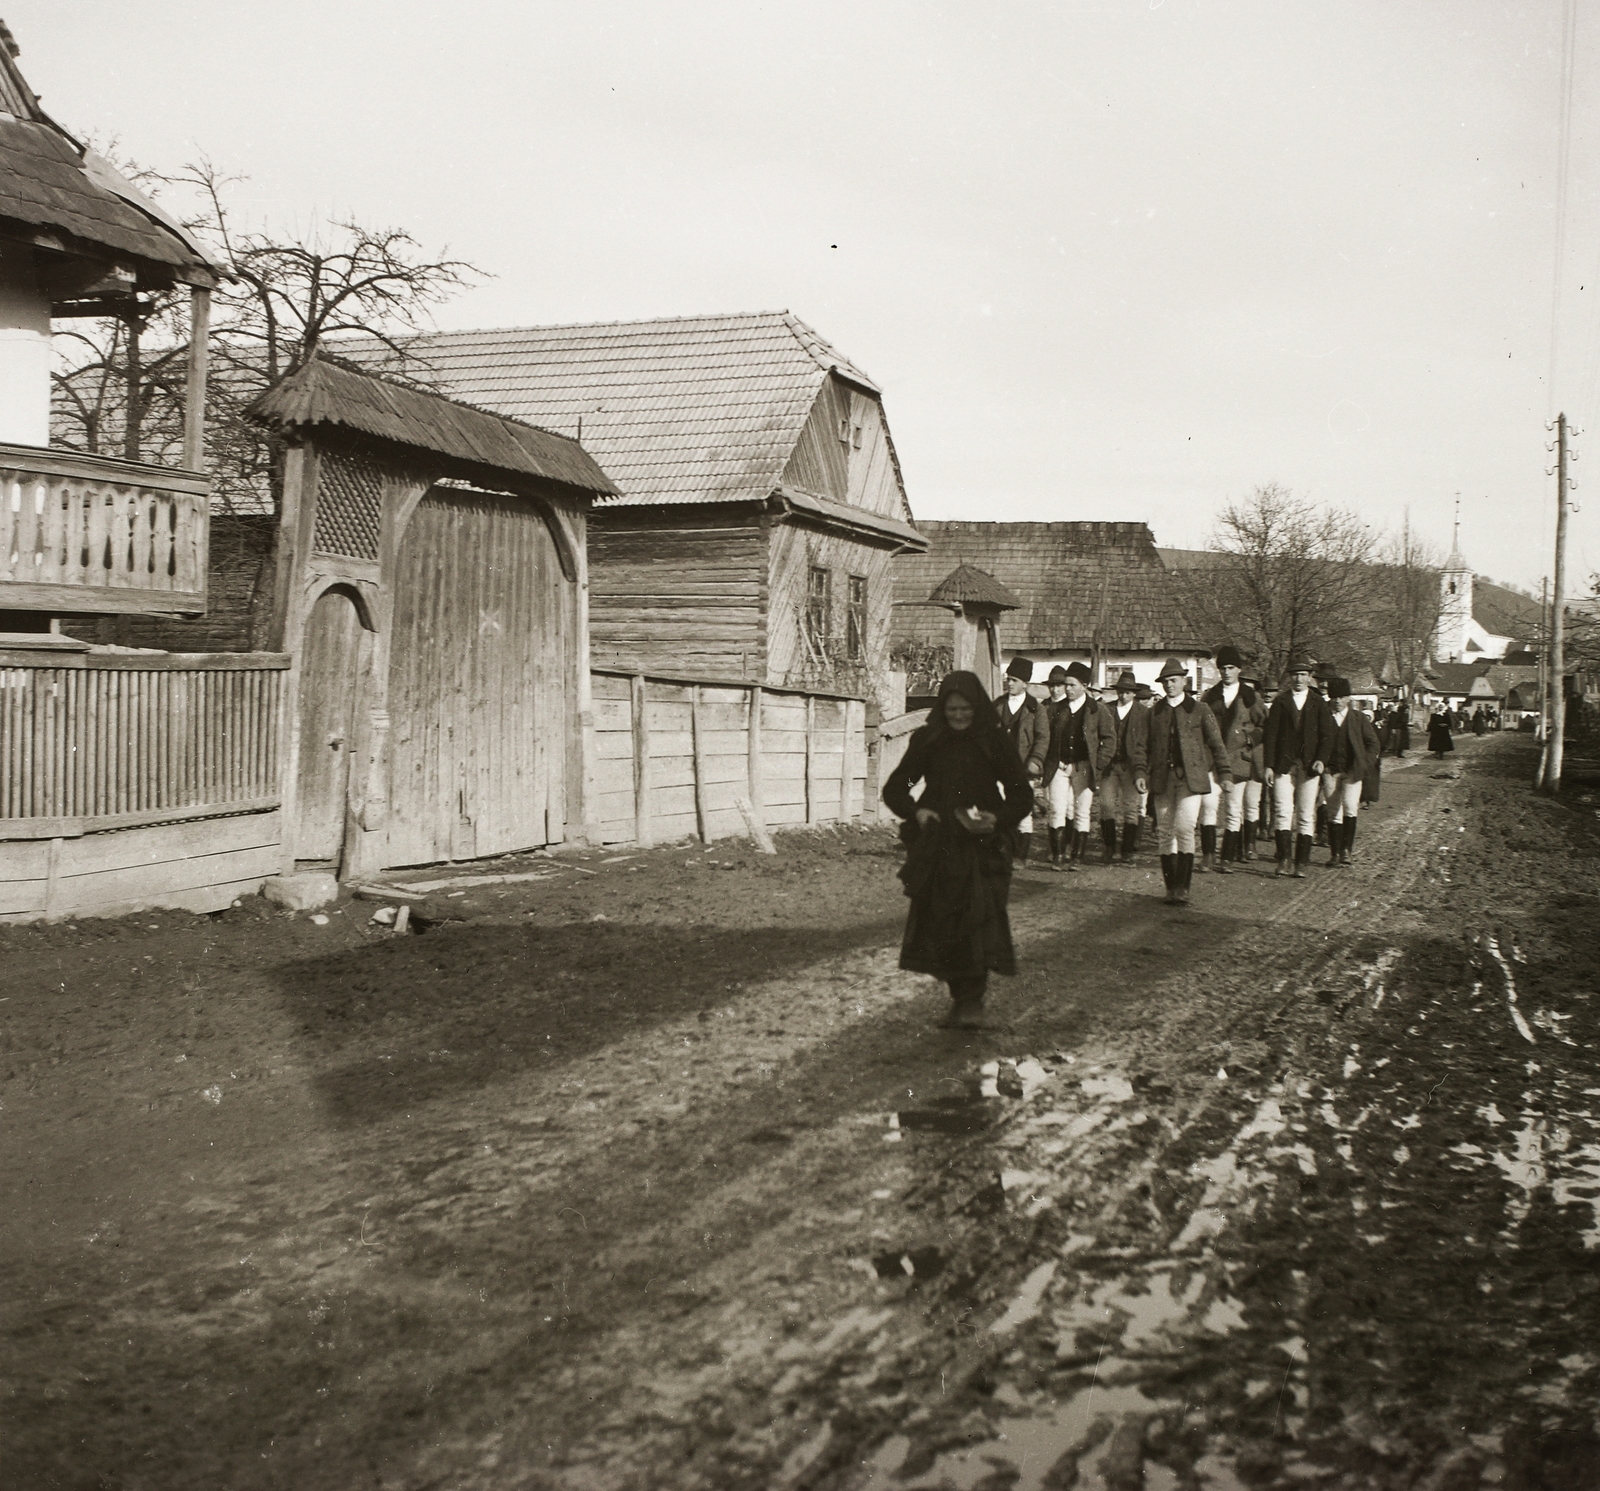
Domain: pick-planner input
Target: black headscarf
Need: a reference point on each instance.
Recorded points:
(970, 687)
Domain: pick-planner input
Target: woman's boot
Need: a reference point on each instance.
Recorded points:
(1169, 874)
(966, 1003)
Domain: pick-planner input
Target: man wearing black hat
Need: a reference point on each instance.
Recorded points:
(1024, 722)
(1082, 739)
(1181, 751)
(1241, 717)
(1120, 801)
(1299, 737)
(1355, 749)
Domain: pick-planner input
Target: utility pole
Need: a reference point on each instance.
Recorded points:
(1558, 661)
(1544, 666)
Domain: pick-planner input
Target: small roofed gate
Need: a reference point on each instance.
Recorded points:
(478, 668)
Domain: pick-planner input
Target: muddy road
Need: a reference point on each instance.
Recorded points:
(653, 1171)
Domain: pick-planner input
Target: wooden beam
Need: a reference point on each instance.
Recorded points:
(697, 738)
(14, 829)
(194, 397)
(811, 786)
(757, 765)
(98, 600)
(641, 763)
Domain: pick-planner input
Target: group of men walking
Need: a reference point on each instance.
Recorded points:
(1238, 760)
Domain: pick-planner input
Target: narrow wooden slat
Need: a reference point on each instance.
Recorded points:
(697, 735)
(641, 762)
(811, 791)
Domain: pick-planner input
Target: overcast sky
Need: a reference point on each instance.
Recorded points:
(1119, 261)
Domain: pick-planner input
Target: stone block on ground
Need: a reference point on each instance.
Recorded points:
(305, 891)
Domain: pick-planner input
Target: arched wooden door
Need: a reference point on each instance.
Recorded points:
(330, 665)
(477, 681)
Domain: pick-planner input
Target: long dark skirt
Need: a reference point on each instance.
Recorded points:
(958, 927)
(1439, 737)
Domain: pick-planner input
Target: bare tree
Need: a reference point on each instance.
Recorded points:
(1287, 577)
(118, 384)
(1408, 602)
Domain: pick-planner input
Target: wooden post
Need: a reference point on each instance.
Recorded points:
(1558, 659)
(52, 883)
(847, 763)
(641, 764)
(758, 766)
(811, 789)
(699, 765)
(194, 400)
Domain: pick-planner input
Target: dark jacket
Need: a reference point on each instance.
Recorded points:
(1028, 729)
(1129, 732)
(1099, 738)
(1241, 727)
(1360, 739)
(1198, 742)
(1289, 742)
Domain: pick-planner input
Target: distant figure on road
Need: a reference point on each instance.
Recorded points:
(959, 837)
(1400, 729)
(1439, 738)
(1480, 722)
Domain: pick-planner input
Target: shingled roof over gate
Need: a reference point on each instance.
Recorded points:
(1070, 578)
(679, 410)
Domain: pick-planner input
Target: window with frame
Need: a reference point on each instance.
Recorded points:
(819, 608)
(855, 617)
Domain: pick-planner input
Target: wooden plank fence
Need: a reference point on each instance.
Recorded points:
(673, 756)
(126, 779)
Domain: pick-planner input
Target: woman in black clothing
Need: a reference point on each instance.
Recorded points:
(958, 838)
(1439, 741)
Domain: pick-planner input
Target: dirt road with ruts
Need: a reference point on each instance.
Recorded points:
(653, 1171)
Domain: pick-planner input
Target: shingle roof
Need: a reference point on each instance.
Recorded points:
(682, 410)
(1503, 612)
(1071, 579)
(323, 393)
(48, 180)
(968, 584)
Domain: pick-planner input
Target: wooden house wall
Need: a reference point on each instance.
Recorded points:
(828, 462)
(679, 590)
(672, 759)
(795, 549)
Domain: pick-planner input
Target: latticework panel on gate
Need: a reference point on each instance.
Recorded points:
(349, 505)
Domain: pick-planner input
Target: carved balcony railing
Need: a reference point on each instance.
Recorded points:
(86, 533)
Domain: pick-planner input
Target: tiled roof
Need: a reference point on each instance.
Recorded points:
(1454, 678)
(1503, 612)
(323, 393)
(968, 584)
(49, 181)
(683, 410)
(1071, 579)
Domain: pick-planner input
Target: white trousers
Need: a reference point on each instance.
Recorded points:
(1119, 801)
(1071, 798)
(1294, 802)
(1242, 802)
(1342, 794)
(1177, 817)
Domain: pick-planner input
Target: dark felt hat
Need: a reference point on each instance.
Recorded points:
(1144, 691)
(1300, 663)
(1172, 668)
(1058, 674)
(1126, 680)
(1020, 667)
(1229, 656)
(1339, 688)
(1081, 672)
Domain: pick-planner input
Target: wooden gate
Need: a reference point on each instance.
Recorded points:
(476, 682)
(330, 664)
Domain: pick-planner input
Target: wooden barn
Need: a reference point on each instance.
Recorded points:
(758, 499)
(1096, 593)
(433, 589)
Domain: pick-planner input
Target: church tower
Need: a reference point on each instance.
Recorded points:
(1455, 606)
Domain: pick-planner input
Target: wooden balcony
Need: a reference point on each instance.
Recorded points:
(87, 533)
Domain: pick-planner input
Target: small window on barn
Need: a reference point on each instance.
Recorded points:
(855, 635)
(844, 439)
(855, 437)
(819, 607)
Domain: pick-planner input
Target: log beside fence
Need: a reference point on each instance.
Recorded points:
(126, 779)
(674, 755)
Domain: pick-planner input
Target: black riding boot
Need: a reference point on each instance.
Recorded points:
(1285, 844)
(1055, 846)
(1074, 847)
(1303, 845)
(1230, 851)
(1169, 875)
(1130, 841)
(1108, 841)
(1185, 877)
(1349, 840)
(1208, 848)
(1335, 841)
(1247, 841)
